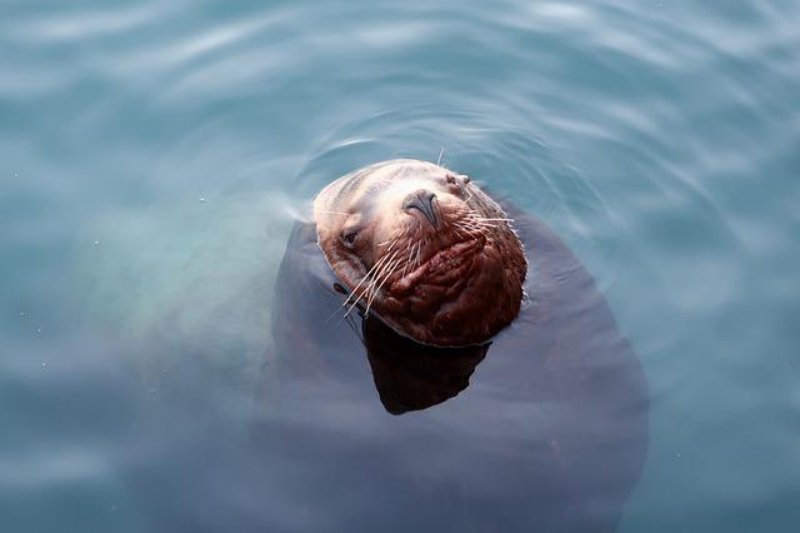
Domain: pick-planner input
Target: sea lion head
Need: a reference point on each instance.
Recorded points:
(423, 248)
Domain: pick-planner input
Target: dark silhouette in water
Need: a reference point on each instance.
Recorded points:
(550, 434)
(410, 376)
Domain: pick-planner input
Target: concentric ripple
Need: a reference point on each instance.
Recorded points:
(155, 154)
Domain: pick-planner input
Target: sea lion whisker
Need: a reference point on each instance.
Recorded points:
(377, 270)
(369, 293)
(374, 273)
(391, 270)
(408, 261)
(351, 323)
(482, 225)
(414, 255)
(387, 267)
(405, 264)
(477, 231)
(487, 219)
(472, 226)
(420, 245)
(387, 270)
(369, 277)
(469, 226)
(366, 276)
(479, 222)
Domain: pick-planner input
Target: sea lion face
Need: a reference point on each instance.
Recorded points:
(426, 250)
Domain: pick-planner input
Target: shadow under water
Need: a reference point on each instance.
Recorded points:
(545, 429)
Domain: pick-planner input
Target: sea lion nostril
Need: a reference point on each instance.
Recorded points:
(422, 200)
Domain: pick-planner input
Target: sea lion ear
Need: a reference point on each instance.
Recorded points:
(338, 287)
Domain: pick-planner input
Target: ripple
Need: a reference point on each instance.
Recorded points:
(92, 23)
(659, 139)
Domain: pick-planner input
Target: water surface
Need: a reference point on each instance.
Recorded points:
(154, 157)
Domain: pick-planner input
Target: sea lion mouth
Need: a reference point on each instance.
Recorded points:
(448, 262)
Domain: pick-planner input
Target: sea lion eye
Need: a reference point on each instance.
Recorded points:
(451, 179)
(349, 238)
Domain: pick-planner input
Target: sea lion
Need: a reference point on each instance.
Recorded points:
(543, 428)
(423, 248)
(357, 428)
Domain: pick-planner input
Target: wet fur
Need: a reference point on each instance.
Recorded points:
(453, 285)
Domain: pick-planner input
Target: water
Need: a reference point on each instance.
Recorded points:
(154, 155)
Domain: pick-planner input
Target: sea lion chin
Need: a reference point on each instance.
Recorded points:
(424, 249)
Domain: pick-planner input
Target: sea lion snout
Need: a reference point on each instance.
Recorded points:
(423, 201)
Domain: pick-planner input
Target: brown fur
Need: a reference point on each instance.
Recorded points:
(454, 280)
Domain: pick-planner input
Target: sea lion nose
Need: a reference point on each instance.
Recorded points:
(422, 200)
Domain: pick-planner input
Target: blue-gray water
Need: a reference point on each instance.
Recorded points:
(153, 156)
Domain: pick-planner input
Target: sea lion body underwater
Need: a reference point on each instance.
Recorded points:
(543, 427)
